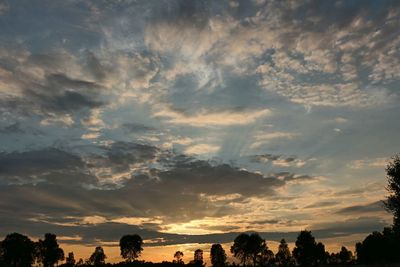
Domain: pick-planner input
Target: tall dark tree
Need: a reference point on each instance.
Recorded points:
(345, 255)
(392, 202)
(239, 248)
(178, 257)
(49, 252)
(305, 251)
(18, 250)
(2, 264)
(98, 257)
(70, 259)
(131, 247)
(266, 257)
(218, 256)
(248, 247)
(283, 256)
(379, 248)
(320, 254)
(198, 257)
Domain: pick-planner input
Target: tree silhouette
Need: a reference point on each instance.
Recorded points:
(239, 248)
(247, 247)
(266, 257)
(283, 257)
(198, 257)
(217, 255)
(306, 252)
(178, 257)
(131, 247)
(320, 254)
(70, 259)
(1, 255)
(345, 255)
(49, 253)
(98, 257)
(18, 250)
(392, 202)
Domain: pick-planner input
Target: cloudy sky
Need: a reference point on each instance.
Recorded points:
(192, 121)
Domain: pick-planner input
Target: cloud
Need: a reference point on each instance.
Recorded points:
(322, 204)
(262, 138)
(202, 149)
(279, 160)
(14, 128)
(347, 227)
(369, 163)
(373, 207)
(106, 80)
(58, 188)
(51, 86)
(48, 165)
(207, 118)
(137, 127)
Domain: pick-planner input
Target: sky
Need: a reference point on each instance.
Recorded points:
(189, 122)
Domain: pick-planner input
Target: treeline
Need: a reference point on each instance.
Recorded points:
(380, 248)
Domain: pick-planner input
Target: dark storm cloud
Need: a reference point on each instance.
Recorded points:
(136, 127)
(106, 232)
(44, 85)
(59, 199)
(373, 207)
(276, 159)
(264, 158)
(48, 165)
(14, 128)
(51, 186)
(353, 226)
(94, 66)
(272, 221)
(62, 94)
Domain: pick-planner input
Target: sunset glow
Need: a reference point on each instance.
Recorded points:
(190, 122)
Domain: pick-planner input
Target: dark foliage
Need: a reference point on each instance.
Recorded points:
(307, 252)
(392, 202)
(178, 257)
(249, 248)
(131, 247)
(98, 258)
(70, 260)
(379, 248)
(17, 250)
(217, 255)
(283, 257)
(48, 251)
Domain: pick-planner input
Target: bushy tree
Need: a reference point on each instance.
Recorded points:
(392, 202)
(379, 248)
(98, 257)
(218, 256)
(266, 257)
(283, 257)
(18, 250)
(320, 254)
(345, 255)
(248, 247)
(49, 252)
(198, 257)
(307, 252)
(70, 259)
(131, 247)
(178, 257)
